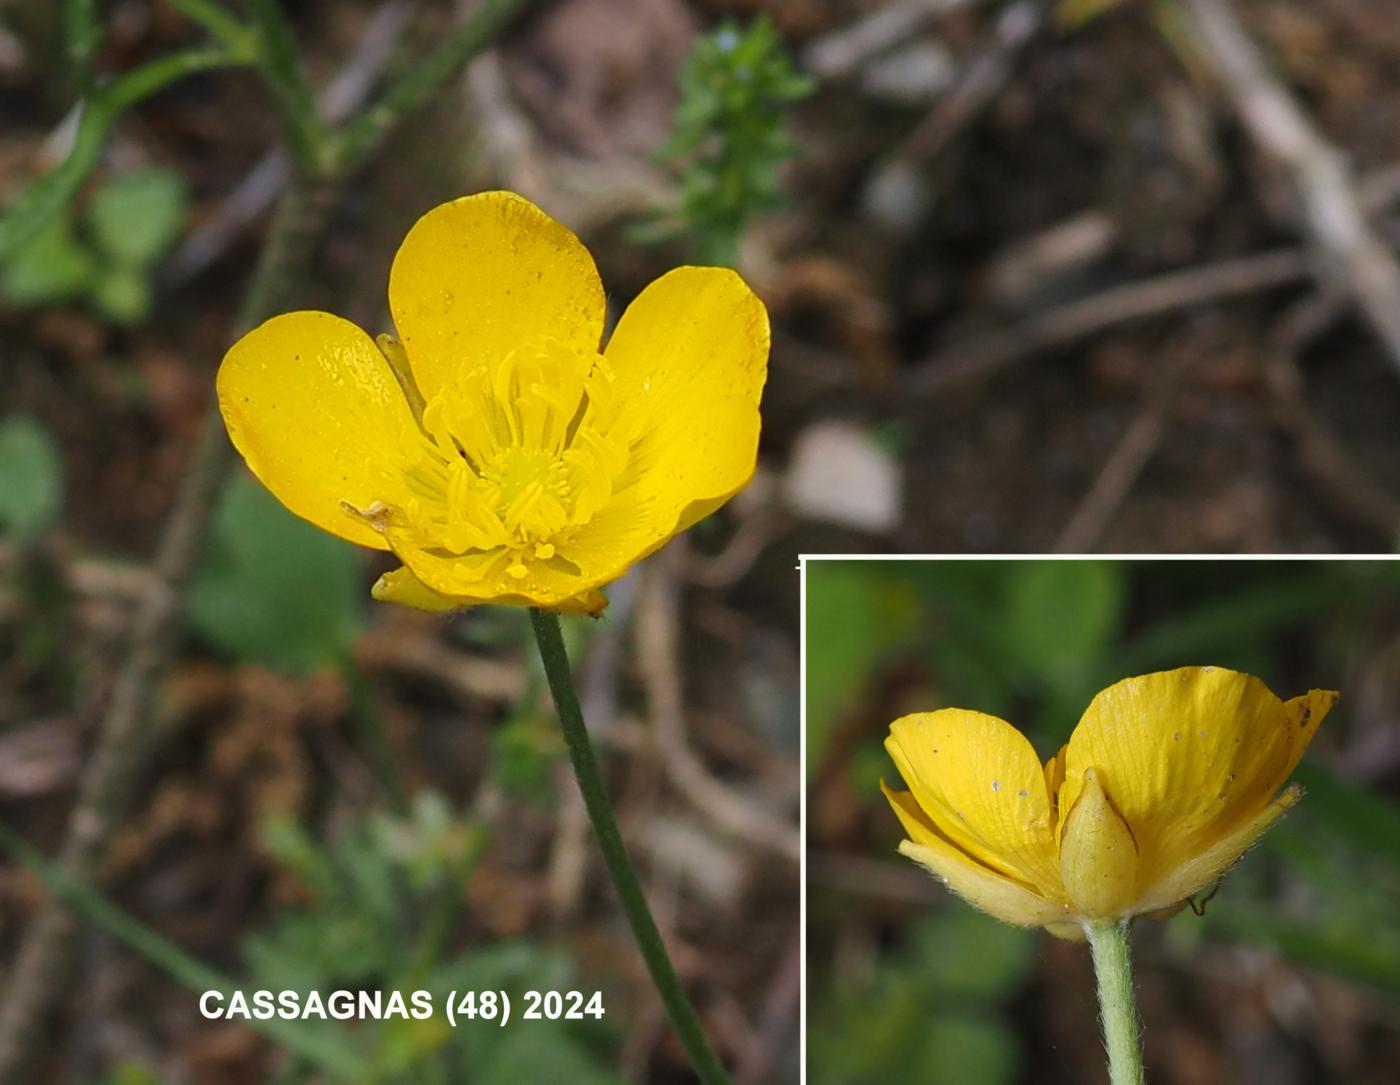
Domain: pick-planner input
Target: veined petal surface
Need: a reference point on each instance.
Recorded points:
(485, 275)
(689, 359)
(316, 412)
(979, 783)
(1188, 756)
(1001, 897)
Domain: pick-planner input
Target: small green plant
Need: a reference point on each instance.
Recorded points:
(385, 897)
(274, 590)
(105, 256)
(731, 136)
(937, 1004)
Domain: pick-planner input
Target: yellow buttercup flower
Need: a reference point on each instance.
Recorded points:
(492, 447)
(1164, 783)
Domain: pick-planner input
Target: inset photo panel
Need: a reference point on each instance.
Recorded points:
(1102, 820)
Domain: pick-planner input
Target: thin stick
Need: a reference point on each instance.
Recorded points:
(624, 878)
(659, 653)
(966, 362)
(1121, 470)
(1108, 939)
(1329, 207)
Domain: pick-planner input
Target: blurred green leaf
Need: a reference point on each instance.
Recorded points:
(1369, 822)
(274, 590)
(1061, 617)
(136, 216)
(974, 957)
(969, 1047)
(31, 478)
(1228, 627)
(524, 752)
(932, 1003)
(122, 294)
(51, 267)
(854, 618)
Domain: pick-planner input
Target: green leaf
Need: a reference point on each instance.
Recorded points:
(275, 590)
(31, 477)
(122, 294)
(51, 267)
(855, 615)
(1061, 617)
(974, 957)
(136, 216)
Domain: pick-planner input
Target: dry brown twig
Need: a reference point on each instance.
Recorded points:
(1124, 465)
(658, 652)
(1330, 211)
(963, 363)
(1321, 456)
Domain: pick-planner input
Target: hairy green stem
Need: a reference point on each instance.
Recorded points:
(1108, 940)
(624, 878)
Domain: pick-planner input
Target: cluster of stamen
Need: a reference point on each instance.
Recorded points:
(518, 457)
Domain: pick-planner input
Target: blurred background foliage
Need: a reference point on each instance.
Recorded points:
(1305, 927)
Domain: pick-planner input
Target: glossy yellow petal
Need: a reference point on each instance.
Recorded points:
(979, 783)
(689, 358)
(402, 586)
(485, 275)
(314, 408)
(1098, 859)
(1188, 757)
(998, 896)
(1201, 870)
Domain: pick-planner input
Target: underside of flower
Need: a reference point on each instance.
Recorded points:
(1167, 780)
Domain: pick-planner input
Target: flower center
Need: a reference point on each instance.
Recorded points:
(519, 456)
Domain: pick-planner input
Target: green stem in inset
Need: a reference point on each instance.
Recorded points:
(624, 878)
(1108, 939)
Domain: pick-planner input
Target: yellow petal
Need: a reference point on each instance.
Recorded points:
(487, 274)
(979, 783)
(1098, 859)
(689, 357)
(1202, 869)
(1189, 756)
(401, 586)
(561, 584)
(998, 896)
(315, 410)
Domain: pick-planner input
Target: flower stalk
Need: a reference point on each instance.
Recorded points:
(624, 878)
(1108, 940)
